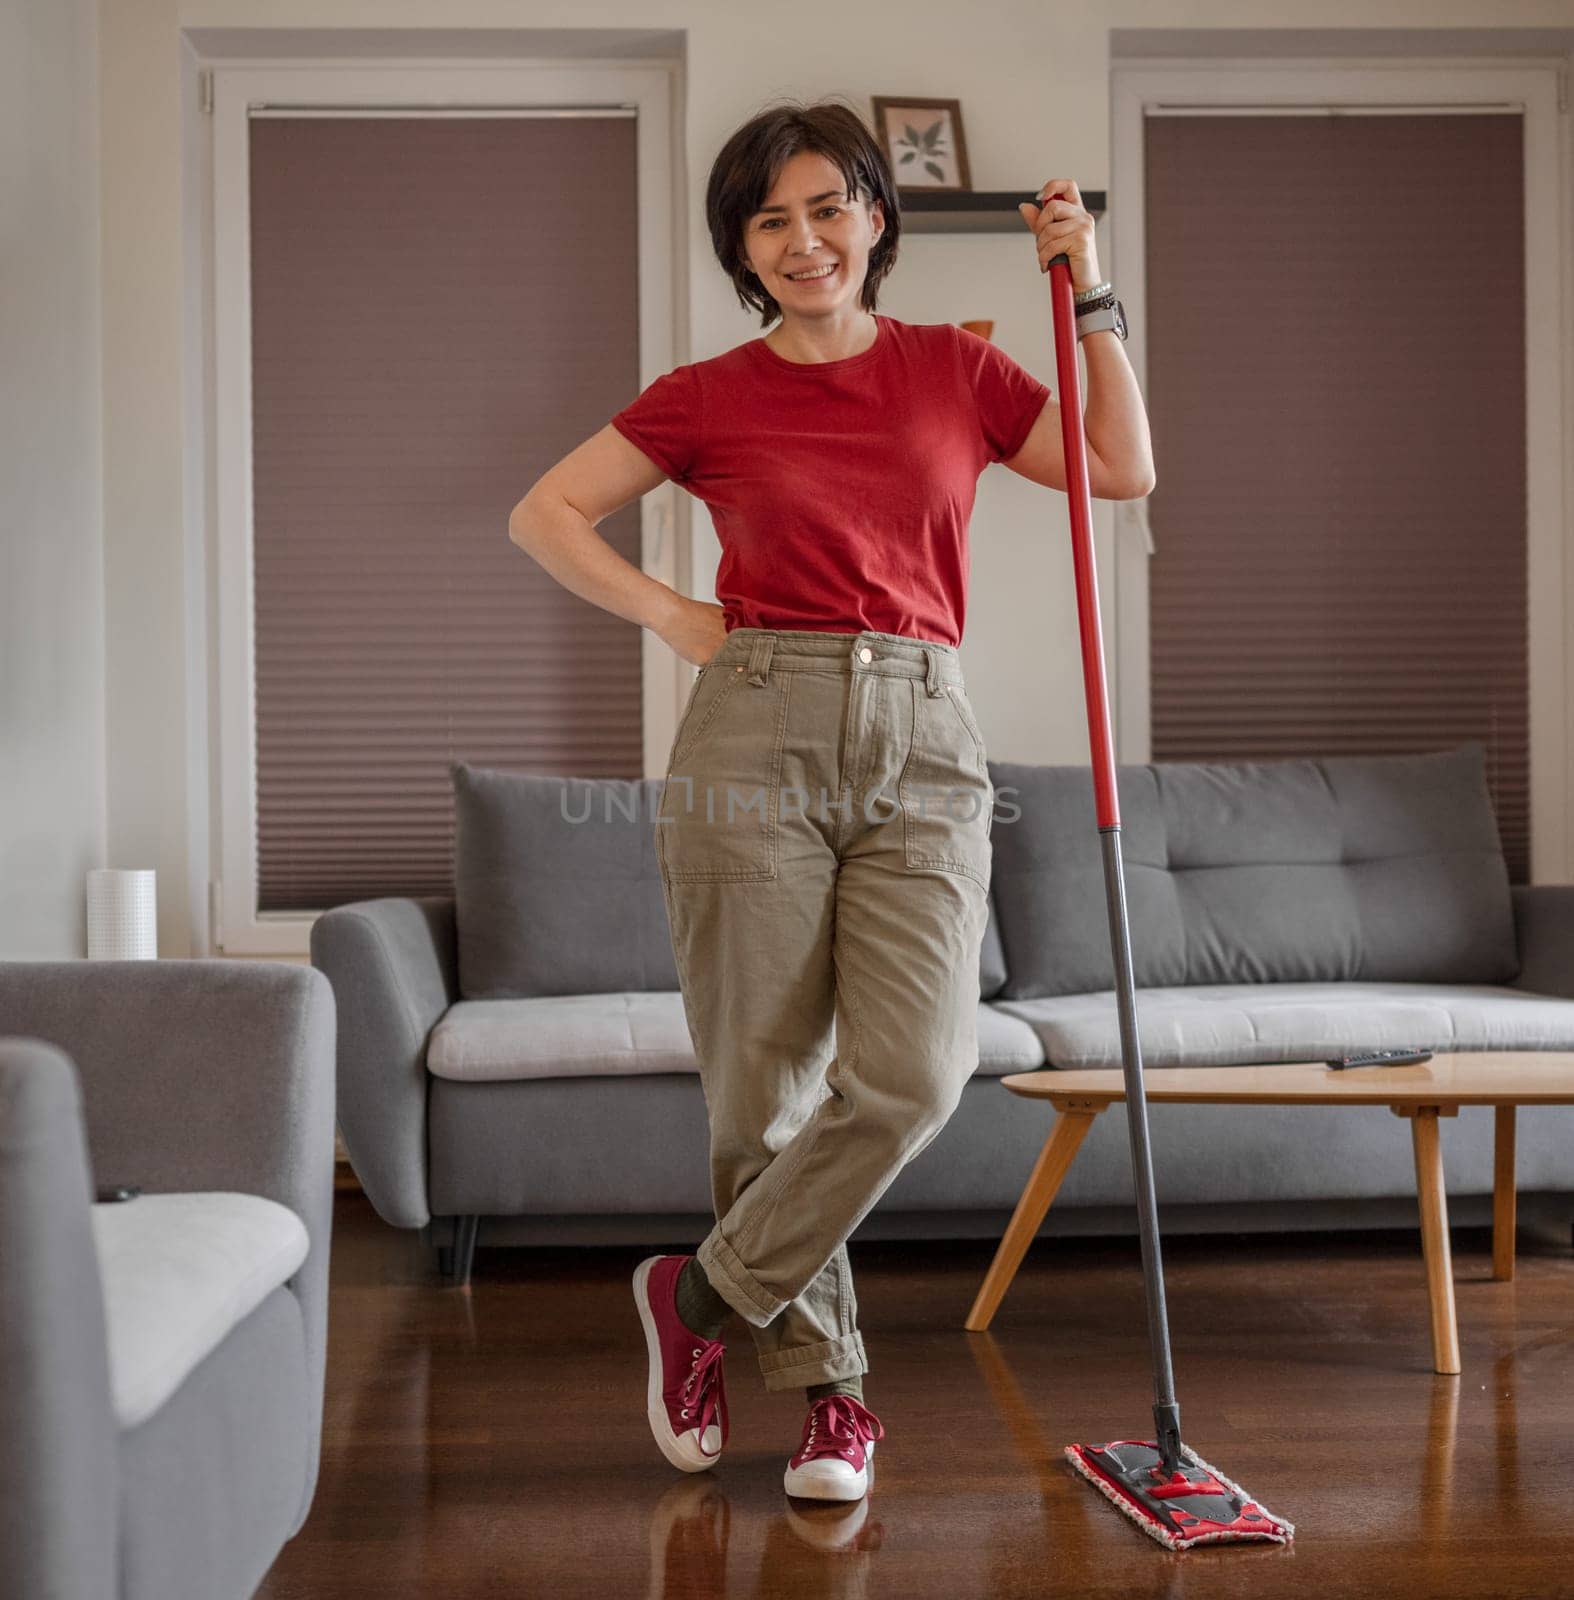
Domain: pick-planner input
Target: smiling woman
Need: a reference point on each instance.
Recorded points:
(838, 455)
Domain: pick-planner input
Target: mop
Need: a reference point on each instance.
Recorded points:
(1168, 1490)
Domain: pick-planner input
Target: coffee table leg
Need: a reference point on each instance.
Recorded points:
(1503, 1203)
(1054, 1161)
(1434, 1237)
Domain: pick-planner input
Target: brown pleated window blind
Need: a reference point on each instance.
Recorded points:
(442, 307)
(1336, 387)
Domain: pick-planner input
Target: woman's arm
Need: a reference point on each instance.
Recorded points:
(1114, 420)
(1114, 423)
(556, 523)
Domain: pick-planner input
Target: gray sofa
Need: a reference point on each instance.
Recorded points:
(515, 1058)
(161, 1358)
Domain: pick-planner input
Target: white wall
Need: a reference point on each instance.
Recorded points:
(51, 485)
(1033, 80)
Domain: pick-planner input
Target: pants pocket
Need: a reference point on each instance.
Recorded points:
(946, 795)
(704, 695)
(717, 818)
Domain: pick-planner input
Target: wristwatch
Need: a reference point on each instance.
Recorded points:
(1100, 315)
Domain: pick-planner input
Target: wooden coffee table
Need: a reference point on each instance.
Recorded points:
(1423, 1093)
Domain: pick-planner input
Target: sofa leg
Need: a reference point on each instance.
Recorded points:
(454, 1261)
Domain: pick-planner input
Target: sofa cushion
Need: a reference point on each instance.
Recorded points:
(590, 1035)
(556, 886)
(557, 890)
(1374, 868)
(991, 957)
(1006, 1044)
(179, 1272)
(1233, 1024)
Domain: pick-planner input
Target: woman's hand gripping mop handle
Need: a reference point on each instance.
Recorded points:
(1167, 1490)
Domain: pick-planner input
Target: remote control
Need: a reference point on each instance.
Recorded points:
(1380, 1058)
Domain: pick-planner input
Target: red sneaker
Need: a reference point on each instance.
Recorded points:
(686, 1395)
(835, 1461)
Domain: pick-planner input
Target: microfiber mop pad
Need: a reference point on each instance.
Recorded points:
(1196, 1504)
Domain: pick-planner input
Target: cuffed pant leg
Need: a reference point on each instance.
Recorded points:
(800, 1366)
(813, 1338)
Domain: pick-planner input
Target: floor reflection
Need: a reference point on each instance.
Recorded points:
(823, 1550)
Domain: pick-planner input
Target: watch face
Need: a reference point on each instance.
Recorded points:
(1120, 319)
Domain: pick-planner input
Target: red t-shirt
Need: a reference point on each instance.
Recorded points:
(841, 490)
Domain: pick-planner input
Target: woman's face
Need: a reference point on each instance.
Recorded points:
(808, 222)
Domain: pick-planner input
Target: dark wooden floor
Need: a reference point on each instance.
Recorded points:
(492, 1441)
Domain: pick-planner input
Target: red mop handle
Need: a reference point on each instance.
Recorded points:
(1166, 1410)
(1080, 495)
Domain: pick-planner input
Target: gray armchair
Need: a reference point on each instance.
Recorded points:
(161, 1359)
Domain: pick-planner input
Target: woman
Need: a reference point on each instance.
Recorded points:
(827, 948)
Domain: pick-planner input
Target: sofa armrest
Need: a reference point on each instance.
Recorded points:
(202, 1075)
(58, 1481)
(1544, 932)
(393, 964)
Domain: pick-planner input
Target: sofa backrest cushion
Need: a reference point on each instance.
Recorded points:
(556, 885)
(991, 957)
(1384, 868)
(557, 889)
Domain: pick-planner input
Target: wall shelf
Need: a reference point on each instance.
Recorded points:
(976, 211)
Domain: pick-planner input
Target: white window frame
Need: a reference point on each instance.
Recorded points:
(1538, 91)
(420, 88)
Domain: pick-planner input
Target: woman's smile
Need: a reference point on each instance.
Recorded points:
(821, 274)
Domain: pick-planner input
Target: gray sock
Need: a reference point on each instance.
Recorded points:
(700, 1308)
(853, 1386)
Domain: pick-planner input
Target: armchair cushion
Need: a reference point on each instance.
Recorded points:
(1377, 869)
(179, 1272)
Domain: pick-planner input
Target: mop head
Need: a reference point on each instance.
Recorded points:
(1196, 1505)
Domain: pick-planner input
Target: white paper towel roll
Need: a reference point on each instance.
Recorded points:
(122, 914)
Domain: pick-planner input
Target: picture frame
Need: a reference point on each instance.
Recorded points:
(923, 141)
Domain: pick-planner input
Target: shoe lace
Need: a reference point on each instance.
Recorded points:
(705, 1389)
(837, 1423)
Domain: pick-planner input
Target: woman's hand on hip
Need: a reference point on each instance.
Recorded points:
(697, 631)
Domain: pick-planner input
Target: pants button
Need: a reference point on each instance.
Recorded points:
(866, 654)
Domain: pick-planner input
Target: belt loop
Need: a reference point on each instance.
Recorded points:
(932, 676)
(760, 660)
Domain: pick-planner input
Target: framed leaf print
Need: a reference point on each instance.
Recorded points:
(922, 140)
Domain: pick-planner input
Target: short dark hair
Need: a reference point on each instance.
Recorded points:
(751, 160)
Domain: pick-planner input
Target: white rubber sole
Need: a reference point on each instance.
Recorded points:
(681, 1449)
(828, 1479)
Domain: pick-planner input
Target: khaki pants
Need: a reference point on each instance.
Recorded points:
(824, 842)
